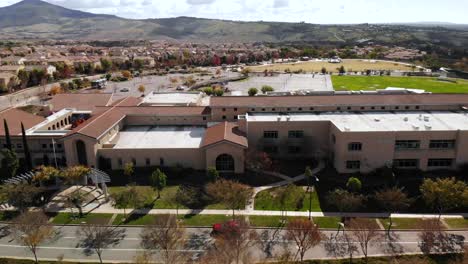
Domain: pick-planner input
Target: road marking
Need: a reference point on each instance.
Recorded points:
(107, 249)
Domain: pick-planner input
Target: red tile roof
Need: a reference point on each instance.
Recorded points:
(14, 117)
(224, 132)
(81, 101)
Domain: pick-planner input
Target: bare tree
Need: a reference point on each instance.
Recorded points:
(32, 229)
(97, 237)
(305, 235)
(166, 235)
(364, 231)
(268, 239)
(234, 245)
(233, 194)
(433, 239)
(392, 200)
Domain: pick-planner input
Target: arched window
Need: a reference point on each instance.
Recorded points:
(225, 162)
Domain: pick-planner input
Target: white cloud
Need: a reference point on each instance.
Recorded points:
(280, 3)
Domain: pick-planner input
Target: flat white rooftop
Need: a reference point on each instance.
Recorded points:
(376, 121)
(160, 137)
(167, 99)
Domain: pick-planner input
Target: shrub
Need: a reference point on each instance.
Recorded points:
(218, 92)
(208, 91)
(267, 88)
(253, 91)
(354, 184)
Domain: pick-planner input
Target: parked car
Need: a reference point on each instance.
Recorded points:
(124, 90)
(231, 226)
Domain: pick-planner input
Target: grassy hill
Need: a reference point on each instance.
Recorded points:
(35, 19)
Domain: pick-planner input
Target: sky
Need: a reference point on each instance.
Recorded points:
(310, 11)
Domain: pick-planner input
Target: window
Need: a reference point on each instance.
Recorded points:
(338, 108)
(289, 109)
(407, 107)
(270, 149)
(417, 107)
(44, 146)
(51, 146)
(253, 109)
(270, 134)
(397, 107)
(373, 108)
(355, 146)
(161, 162)
(406, 163)
(296, 134)
(204, 118)
(362, 108)
(300, 109)
(20, 146)
(407, 144)
(273, 109)
(59, 146)
(147, 161)
(134, 162)
(120, 162)
(383, 107)
(442, 144)
(224, 117)
(224, 109)
(353, 164)
(235, 109)
(349, 108)
(263, 109)
(333, 138)
(311, 109)
(441, 163)
(236, 117)
(294, 150)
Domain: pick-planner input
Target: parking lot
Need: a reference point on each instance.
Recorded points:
(283, 83)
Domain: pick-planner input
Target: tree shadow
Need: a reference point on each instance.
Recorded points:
(390, 244)
(443, 243)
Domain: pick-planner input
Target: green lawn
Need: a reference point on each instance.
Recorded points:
(268, 200)
(327, 221)
(68, 219)
(188, 220)
(356, 83)
(457, 222)
(402, 223)
(134, 219)
(167, 198)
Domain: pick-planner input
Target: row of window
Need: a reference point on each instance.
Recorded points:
(291, 134)
(410, 144)
(275, 149)
(44, 146)
(339, 108)
(147, 162)
(406, 163)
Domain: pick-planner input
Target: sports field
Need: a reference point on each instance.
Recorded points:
(350, 65)
(356, 83)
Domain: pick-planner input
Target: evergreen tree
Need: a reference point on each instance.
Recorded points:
(27, 153)
(7, 135)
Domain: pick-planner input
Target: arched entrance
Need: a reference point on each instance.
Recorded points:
(225, 162)
(81, 153)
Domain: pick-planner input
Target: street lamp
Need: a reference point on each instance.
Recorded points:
(309, 175)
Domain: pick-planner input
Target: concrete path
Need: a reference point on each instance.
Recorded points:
(286, 180)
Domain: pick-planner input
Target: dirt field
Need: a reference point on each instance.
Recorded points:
(350, 65)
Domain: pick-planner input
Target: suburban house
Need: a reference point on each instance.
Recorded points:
(412, 131)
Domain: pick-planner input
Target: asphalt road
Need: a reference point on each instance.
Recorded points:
(67, 246)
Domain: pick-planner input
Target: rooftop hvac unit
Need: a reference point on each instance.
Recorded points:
(347, 128)
(415, 127)
(428, 127)
(426, 118)
(278, 118)
(406, 119)
(377, 119)
(288, 118)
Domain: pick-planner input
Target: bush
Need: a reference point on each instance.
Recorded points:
(266, 89)
(354, 184)
(208, 91)
(253, 91)
(212, 174)
(218, 92)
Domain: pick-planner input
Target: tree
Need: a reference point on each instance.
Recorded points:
(365, 232)
(187, 196)
(443, 194)
(233, 194)
(253, 91)
(167, 235)
(27, 153)
(158, 181)
(142, 89)
(218, 91)
(392, 200)
(208, 91)
(288, 197)
(345, 201)
(213, 174)
(128, 170)
(97, 237)
(324, 70)
(234, 244)
(106, 65)
(304, 234)
(72, 175)
(342, 70)
(10, 163)
(46, 173)
(258, 161)
(9, 146)
(131, 196)
(126, 74)
(434, 240)
(266, 89)
(56, 90)
(21, 195)
(77, 199)
(354, 185)
(31, 229)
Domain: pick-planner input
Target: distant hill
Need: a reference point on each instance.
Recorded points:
(35, 19)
